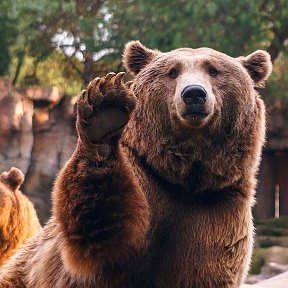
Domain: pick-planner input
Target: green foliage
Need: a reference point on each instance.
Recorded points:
(272, 232)
(8, 32)
(44, 26)
(88, 30)
(232, 26)
(53, 71)
(269, 231)
(258, 261)
(273, 227)
(7, 29)
(277, 88)
(281, 222)
(267, 243)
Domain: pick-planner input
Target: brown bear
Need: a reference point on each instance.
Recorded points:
(160, 195)
(18, 219)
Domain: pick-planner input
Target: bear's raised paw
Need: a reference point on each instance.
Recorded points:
(104, 109)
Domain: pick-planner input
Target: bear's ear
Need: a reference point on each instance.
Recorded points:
(14, 178)
(258, 65)
(136, 56)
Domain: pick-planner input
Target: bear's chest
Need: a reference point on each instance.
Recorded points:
(196, 241)
(190, 249)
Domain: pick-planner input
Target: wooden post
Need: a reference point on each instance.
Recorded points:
(277, 201)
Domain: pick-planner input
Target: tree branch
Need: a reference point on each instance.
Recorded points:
(276, 45)
(74, 66)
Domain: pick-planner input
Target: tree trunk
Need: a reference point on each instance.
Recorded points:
(87, 74)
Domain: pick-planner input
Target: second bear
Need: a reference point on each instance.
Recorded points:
(18, 219)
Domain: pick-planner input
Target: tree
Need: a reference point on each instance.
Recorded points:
(232, 26)
(91, 34)
(8, 32)
(74, 27)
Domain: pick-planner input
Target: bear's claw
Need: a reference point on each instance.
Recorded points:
(129, 84)
(104, 108)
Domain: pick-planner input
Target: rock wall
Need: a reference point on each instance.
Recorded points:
(16, 136)
(37, 135)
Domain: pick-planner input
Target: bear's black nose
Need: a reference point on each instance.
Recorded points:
(194, 94)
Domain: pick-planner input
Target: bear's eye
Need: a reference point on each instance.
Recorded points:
(173, 73)
(213, 71)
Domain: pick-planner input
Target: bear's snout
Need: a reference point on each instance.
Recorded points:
(194, 94)
(194, 97)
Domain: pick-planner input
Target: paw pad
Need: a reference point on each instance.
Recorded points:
(104, 109)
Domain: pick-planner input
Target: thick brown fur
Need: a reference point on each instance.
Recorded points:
(166, 202)
(18, 219)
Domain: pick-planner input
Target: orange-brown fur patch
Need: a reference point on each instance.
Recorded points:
(18, 219)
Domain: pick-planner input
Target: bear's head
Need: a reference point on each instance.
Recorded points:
(9, 186)
(196, 85)
(197, 104)
(18, 219)
(12, 179)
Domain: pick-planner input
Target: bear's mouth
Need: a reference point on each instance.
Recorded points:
(195, 115)
(194, 112)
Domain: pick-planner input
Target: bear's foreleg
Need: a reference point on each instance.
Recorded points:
(97, 201)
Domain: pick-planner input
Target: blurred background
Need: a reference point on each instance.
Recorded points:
(50, 50)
